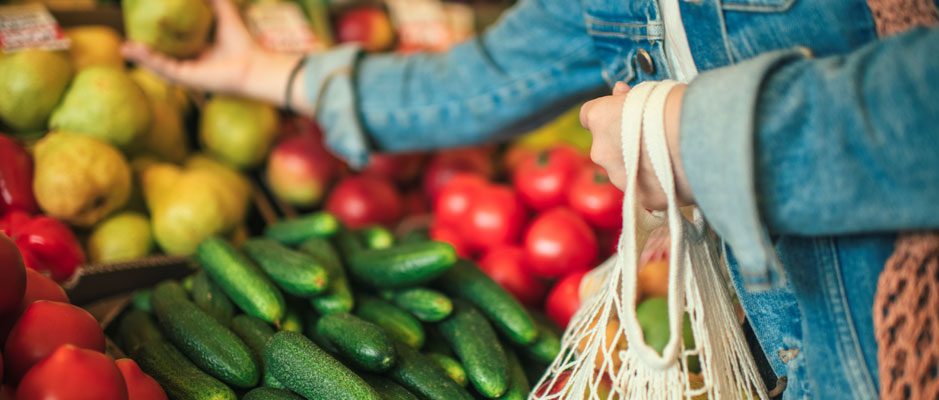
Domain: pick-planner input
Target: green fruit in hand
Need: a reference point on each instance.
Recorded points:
(177, 28)
(105, 103)
(238, 131)
(32, 82)
(79, 179)
(653, 318)
(125, 236)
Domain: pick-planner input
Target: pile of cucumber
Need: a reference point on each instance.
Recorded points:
(314, 310)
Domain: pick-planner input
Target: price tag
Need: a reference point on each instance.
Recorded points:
(30, 26)
(282, 27)
(421, 24)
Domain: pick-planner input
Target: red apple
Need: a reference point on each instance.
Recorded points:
(365, 199)
(300, 169)
(396, 167)
(368, 26)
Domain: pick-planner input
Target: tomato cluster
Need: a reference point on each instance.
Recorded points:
(54, 350)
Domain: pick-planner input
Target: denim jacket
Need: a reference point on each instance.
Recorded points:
(807, 142)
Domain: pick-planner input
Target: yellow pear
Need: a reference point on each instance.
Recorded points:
(95, 45)
(157, 87)
(79, 179)
(124, 236)
(156, 179)
(166, 137)
(189, 212)
(238, 131)
(31, 83)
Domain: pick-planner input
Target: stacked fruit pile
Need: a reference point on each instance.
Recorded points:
(324, 311)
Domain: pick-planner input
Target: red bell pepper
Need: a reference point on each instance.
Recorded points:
(47, 244)
(16, 178)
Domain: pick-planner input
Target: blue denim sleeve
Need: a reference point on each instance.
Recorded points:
(787, 144)
(538, 58)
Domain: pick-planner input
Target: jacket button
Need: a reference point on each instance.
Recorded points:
(645, 61)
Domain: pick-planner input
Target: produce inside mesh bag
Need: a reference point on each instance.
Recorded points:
(604, 354)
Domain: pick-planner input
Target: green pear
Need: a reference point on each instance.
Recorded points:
(188, 212)
(178, 28)
(78, 178)
(166, 137)
(32, 82)
(156, 87)
(105, 103)
(238, 131)
(124, 236)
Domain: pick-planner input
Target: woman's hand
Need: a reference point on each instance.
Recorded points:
(235, 64)
(602, 117)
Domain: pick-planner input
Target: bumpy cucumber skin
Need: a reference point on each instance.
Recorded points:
(295, 272)
(136, 329)
(386, 388)
(427, 305)
(266, 393)
(402, 266)
(309, 371)
(395, 321)
(362, 343)
(204, 340)
(295, 231)
(476, 344)
(241, 280)
(421, 376)
(518, 385)
(177, 375)
(451, 366)
(211, 299)
(467, 281)
(377, 237)
(338, 296)
(255, 333)
(546, 347)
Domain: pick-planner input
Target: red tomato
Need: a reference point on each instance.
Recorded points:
(514, 156)
(140, 386)
(363, 199)
(395, 167)
(495, 216)
(38, 287)
(595, 198)
(454, 199)
(505, 264)
(543, 179)
(73, 373)
(448, 163)
(559, 242)
(12, 275)
(414, 203)
(444, 233)
(7, 392)
(43, 327)
(564, 299)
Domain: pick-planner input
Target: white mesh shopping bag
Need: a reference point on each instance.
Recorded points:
(595, 362)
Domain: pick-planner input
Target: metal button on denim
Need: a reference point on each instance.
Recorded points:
(645, 61)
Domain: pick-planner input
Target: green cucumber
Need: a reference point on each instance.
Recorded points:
(206, 342)
(295, 231)
(211, 299)
(137, 329)
(365, 345)
(435, 343)
(546, 347)
(451, 366)
(255, 333)
(518, 386)
(467, 281)
(312, 373)
(293, 321)
(427, 305)
(142, 300)
(338, 296)
(477, 346)
(403, 265)
(386, 388)
(421, 376)
(241, 280)
(177, 375)
(295, 272)
(187, 282)
(397, 322)
(377, 237)
(266, 393)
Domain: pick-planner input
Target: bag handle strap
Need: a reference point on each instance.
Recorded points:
(643, 110)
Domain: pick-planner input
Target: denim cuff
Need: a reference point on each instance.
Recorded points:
(330, 88)
(718, 122)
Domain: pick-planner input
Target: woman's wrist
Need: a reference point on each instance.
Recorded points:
(267, 76)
